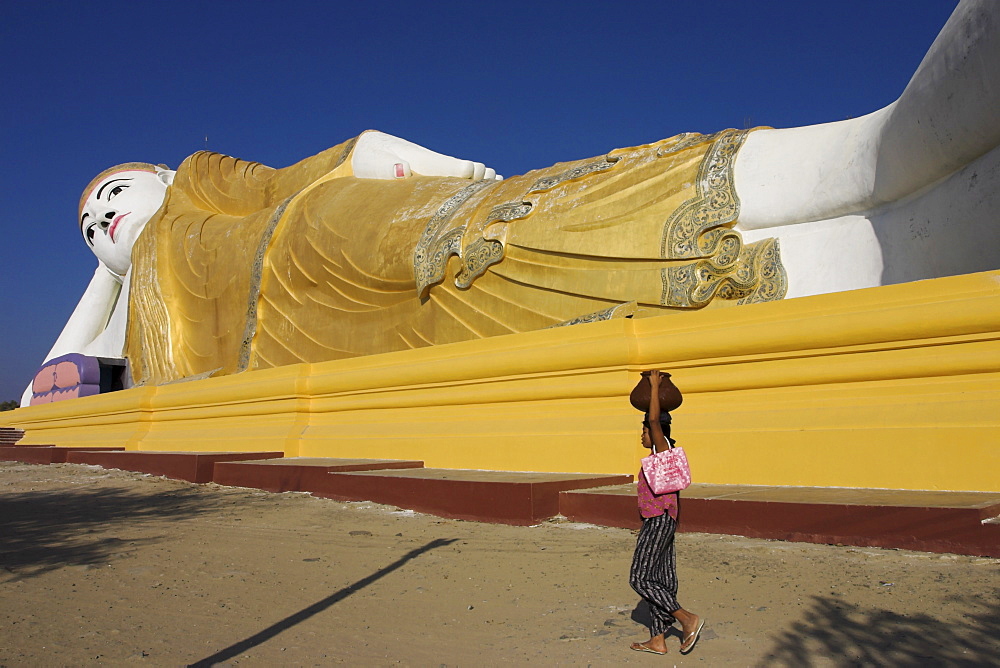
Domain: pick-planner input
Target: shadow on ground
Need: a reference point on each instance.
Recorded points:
(273, 630)
(851, 636)
(44, 530)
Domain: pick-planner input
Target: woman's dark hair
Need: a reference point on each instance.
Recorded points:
(664, 419)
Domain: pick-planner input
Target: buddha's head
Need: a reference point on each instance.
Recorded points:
(116, 206)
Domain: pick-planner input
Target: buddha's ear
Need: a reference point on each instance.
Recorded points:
(165, 174)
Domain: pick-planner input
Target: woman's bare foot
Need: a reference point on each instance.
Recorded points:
(655, 645)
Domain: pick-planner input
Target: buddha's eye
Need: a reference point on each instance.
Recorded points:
(115, 191)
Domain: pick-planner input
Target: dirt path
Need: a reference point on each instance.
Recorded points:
(115, 568)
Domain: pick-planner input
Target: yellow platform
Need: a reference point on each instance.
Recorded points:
(894, 387)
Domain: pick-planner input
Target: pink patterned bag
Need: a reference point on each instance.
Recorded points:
(667, 471)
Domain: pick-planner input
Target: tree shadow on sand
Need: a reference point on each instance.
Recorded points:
(42, 531)
(848, 635)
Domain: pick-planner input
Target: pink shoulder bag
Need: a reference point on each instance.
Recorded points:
(667, 471)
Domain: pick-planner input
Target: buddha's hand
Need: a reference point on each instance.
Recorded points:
(381, 156)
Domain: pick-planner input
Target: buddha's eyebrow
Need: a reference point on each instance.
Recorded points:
(101, 189)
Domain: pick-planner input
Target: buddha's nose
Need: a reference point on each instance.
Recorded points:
(105, 221)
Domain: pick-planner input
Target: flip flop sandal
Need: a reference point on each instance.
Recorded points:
(692, 638)
(640, 647)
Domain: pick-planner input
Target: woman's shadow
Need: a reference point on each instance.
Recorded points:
(641, 615)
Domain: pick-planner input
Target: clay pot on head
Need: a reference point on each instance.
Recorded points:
(670, 396)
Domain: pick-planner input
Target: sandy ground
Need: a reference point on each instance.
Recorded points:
(115, 568)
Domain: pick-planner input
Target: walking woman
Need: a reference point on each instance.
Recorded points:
(654, 574)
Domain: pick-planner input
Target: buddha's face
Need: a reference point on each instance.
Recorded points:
(115, 212)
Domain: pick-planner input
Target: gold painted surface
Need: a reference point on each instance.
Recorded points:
(247, 267)
(196, 266)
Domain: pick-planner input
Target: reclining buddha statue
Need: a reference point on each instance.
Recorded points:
(378, 244)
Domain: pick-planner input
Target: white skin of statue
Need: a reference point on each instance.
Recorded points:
(840, 197)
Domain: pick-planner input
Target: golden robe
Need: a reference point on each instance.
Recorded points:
(248, 267)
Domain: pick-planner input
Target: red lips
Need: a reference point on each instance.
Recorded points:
(114, 225)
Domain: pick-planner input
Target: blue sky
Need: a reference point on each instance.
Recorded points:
(517, 85)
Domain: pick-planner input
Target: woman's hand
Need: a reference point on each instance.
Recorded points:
(654, 379)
